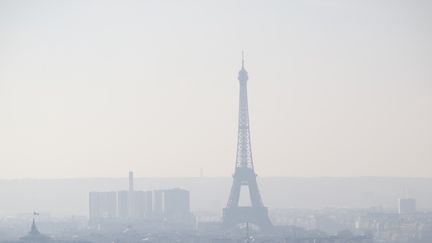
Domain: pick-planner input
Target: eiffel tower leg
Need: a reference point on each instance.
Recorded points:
(234, 198)
(255, 196)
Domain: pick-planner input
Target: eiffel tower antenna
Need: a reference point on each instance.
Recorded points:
(242, 59)
(244, 174)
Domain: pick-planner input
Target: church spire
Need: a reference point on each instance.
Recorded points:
(33, 229)
(34, 235)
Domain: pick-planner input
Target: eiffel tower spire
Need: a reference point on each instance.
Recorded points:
(244, 174)
(242, 59)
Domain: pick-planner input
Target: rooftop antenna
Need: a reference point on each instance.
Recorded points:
(131, 181)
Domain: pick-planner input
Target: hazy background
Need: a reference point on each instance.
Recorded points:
(95, 88)
(67, 197)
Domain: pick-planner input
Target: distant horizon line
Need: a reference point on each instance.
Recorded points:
(215, 177)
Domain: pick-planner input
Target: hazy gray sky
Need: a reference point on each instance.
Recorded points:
(95, 88)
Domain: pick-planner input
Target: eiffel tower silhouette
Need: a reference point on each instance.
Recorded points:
(244, 174)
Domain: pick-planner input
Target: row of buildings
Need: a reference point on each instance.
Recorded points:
(172, 206)
(138, 204)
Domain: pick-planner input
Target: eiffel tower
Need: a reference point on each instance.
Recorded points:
(244, 174)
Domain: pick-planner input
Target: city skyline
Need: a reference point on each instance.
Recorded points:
(234, 121)
(92, 90)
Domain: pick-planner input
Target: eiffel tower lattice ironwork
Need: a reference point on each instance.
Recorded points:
(244, 174)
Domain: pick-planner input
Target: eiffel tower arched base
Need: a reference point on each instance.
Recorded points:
(233, 216)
